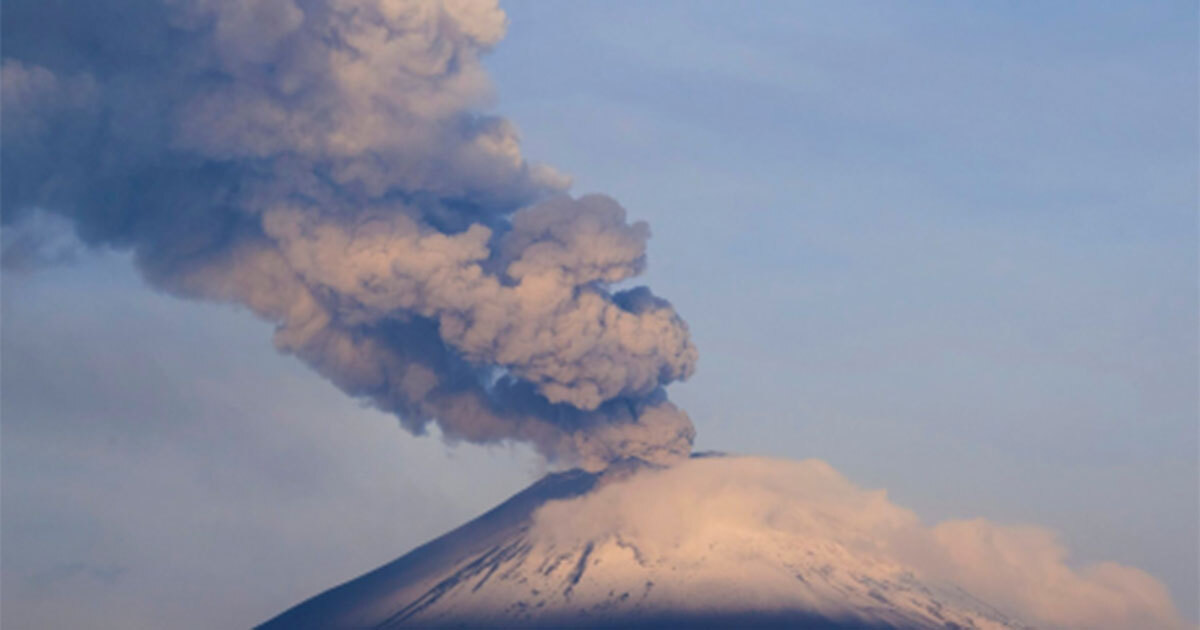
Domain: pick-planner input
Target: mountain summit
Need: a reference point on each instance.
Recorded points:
(736, 542)
(635, 546)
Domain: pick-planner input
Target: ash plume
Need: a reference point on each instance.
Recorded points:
(325, 164)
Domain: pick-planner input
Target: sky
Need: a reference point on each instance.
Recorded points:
(950, 249)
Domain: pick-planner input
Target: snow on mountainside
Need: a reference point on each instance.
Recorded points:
(627, 548)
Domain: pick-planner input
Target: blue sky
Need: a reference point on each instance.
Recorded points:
(950, 248)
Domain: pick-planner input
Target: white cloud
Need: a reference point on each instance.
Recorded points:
(754, 508)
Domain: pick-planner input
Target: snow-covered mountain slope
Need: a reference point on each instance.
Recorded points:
(532, 561)
(730, 542)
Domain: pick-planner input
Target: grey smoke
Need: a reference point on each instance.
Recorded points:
(325, 164)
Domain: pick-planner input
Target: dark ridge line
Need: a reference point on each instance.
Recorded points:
(319, 612)
(637, 553)
(707, 454)
(491, 559)
(580, 567)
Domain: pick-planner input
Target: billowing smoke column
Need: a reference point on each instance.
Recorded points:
(322, 162)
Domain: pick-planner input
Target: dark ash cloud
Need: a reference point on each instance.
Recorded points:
(324, 163)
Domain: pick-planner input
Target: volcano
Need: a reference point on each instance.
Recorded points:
(705, 543)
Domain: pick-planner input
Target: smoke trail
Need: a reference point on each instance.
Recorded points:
(322, 162)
